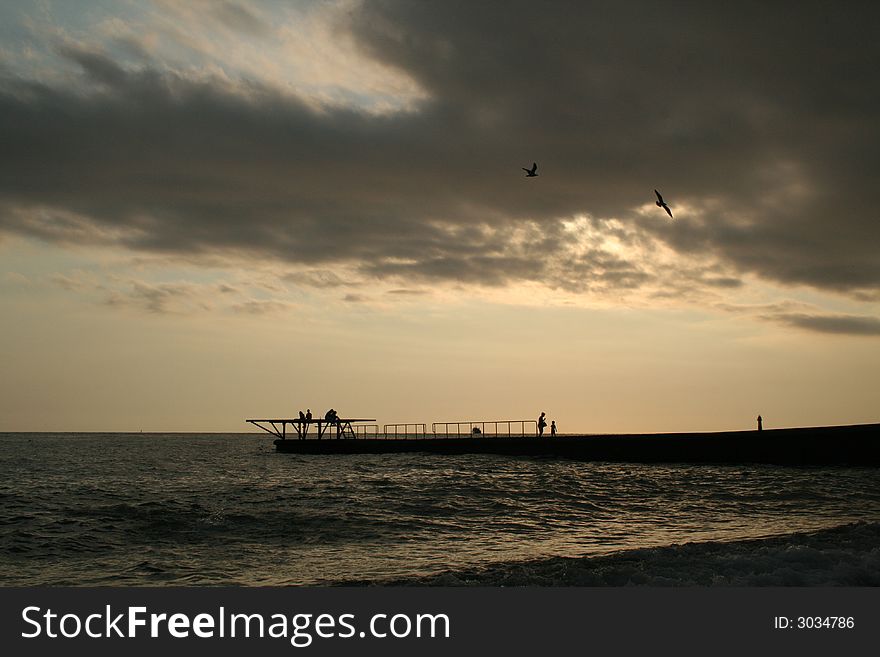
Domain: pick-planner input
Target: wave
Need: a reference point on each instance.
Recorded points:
(847, 555)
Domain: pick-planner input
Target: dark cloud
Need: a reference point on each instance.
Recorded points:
(836, 324)
(764, 122)
(759, 129)
(133, 47)
(95, 65)
(404, 292)
(723, 282)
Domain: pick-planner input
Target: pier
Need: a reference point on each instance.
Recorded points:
(345, 427)
(850, 445)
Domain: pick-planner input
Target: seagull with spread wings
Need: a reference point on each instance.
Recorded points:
(531, 173)
(662, 204)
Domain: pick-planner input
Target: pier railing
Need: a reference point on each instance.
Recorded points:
(400, 431)
(492, 428)
(365, 430)
(362, 428)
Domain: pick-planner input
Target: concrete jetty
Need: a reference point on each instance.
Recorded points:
(851, 445)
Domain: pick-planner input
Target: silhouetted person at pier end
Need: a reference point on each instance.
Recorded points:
(541, 424)
(553, 428)
(308, 415)
(760, 423)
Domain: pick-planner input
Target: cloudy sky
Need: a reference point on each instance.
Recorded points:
(215, 210)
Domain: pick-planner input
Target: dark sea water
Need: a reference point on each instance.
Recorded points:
(187, 509)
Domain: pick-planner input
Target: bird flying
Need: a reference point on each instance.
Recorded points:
(531, 173)
(662, 204)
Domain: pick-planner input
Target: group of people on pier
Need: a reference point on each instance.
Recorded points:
(331, 417)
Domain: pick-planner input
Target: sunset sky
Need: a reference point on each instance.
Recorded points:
(212, 211)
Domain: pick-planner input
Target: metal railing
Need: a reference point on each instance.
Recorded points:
(492, 428)
(365, 430)
(401, 431)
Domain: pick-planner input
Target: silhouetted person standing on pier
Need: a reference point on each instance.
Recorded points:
(760, 423)
(541, 424)
(553, 428)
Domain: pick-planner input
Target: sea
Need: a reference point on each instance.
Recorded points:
(114, 509)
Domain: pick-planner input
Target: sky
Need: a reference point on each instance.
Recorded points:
(214, 211)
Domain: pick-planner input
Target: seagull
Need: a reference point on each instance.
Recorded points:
(662, 204)
(530, 173)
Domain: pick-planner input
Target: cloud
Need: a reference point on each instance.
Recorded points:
(807, 317)
(404, 292)
(262, 307)
(161, 298)
(238, 17)
(16, 278)
(226, 288)
(173, 298)
(95, 65)
(320, 278)
(765, 309)
(70, 283)
(723, 282)
(834, 324)
(760, 131)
